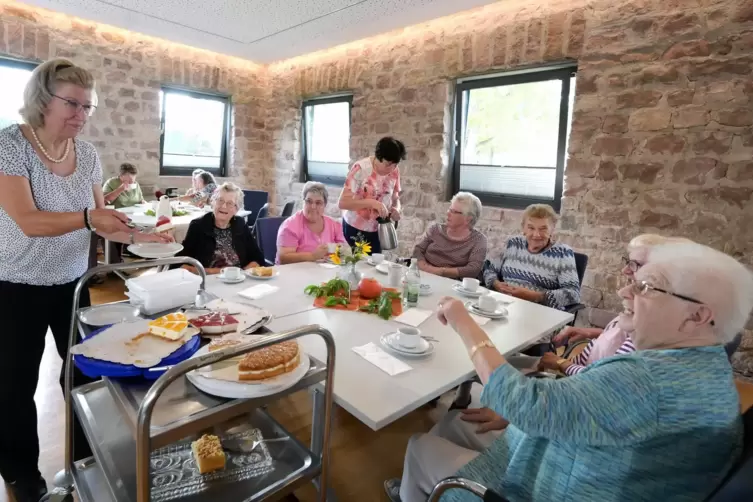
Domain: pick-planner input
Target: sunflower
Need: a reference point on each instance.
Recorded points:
(335, 257)
(363, 247)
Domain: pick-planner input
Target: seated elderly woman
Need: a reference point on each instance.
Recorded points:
(454, 249)
(676, 431)
(533, 266)
(204, 186)
(123, 191)
(307, 234)
(220, 238)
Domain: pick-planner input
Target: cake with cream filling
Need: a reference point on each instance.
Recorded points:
(269, 362)
(216, 323)
(208, 453)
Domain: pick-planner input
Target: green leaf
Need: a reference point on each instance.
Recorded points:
(335, 300)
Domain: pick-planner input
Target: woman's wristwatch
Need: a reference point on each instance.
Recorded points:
(88, 221)
(562, 362)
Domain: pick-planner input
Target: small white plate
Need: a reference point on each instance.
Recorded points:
(104, 315)
(231, 281)
(389, 341)
(383, 268)
(425, 290)
(248, 273)
(472, 294)
(500, 313)
(373, 263)
(155, 250)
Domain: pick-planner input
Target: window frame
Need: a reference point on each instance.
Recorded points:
(538, 74)
(224, 155)
(324, 100)
(24, 64)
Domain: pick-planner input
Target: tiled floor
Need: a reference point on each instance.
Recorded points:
(361, 458)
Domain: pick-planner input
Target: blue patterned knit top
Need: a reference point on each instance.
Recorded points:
(551, 271)
(652, 425)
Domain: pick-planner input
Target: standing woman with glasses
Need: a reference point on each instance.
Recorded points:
(372, 190)
(307, 234)
(50, 202)
(220, 238)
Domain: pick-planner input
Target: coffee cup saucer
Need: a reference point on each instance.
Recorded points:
(228, 280)
(391, 341)
(467, 292)
(499, 313)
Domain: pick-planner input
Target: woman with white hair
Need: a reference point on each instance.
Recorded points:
(307, 234)
(454, 249)
(203, 187)
(221, 239)
(51, 202)
(533, 266)
(662, 420)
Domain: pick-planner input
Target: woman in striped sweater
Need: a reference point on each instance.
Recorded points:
(533, 267)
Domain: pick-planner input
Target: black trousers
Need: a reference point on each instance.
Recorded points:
(27, 312)
(351, 234)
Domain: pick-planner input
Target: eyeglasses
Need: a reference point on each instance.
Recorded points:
(642, 287)
(633, 265)
(74, 106)
(226, 203)
(453, 211)
(315, 203)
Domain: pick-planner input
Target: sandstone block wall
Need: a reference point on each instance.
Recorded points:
(661, 136)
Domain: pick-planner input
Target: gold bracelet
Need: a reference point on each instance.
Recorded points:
(485, 344)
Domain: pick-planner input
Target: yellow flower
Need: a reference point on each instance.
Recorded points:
(335, 257)
(365, 247)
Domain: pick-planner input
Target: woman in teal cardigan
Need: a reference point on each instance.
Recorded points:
(662, 423)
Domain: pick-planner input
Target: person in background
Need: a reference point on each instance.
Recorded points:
(51, 202)
(372, 190)
(454, 249)
(663, 420)
(305, 236)
(533, 266)
(204, 186)
(123, 191)
(220, 238)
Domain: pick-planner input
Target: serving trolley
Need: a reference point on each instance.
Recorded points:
(127, 424)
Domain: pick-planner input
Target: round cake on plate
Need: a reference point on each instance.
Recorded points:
(269, 362)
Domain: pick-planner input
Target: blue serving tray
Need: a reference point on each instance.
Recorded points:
(94, 368)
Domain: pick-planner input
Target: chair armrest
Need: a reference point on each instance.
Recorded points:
(542, 374)
(575, 307)
(477, 489)
(572, 346)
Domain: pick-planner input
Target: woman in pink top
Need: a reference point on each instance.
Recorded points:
(305, 236)
(372, 190)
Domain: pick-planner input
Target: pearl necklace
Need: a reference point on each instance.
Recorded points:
(44, 152)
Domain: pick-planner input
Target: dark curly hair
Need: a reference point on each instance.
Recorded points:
(390, 149)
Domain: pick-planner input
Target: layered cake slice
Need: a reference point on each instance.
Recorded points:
(208, 453)
(170, 326)
(269, 362)
(216, 323)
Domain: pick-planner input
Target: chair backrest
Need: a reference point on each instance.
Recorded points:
(263, 211)
(253, 200)
(288, 209)
(266, 236)
(732, 346)
(581, 262)
(739, 483)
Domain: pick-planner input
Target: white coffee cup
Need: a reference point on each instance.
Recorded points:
(488, 303)
(395, 275)
(231, 273)
(408, 336)
(377, 258)
(470, 284)
(133, 186)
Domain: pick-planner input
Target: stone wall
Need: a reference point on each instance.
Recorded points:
(661, 138)
(130, 68)
(661, 135)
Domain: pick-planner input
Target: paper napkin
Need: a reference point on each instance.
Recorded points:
(328, 265)
(414, 317)
(258, 292)
(382, 360)
(479, 320)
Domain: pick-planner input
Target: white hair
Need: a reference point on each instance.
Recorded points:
(317, 188)
(472, 205)
(232, 188)
(712, 277)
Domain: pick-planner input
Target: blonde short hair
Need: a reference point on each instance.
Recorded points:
(651, 240)
(539, 211)
(228, 187)
(40, 89)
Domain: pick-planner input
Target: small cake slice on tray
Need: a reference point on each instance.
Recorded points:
(216, 323)
(171, 326)
(208, 453)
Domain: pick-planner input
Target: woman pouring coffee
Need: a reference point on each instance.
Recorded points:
(372, 190)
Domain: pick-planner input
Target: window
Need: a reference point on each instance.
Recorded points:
(195, 129)
(326, 139)
(13, 78)
(511, 136)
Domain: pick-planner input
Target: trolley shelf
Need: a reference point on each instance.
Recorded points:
(111, 474)
(183, 409)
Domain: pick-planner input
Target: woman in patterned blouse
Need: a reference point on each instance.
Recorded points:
(454, 249)
(221, 239)
(204, 186)
(661, 422)
(372, 190)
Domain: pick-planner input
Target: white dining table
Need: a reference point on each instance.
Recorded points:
(368, 393)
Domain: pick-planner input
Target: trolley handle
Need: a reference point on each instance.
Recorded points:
(143, 428)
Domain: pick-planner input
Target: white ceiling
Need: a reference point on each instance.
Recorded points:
(260, 30)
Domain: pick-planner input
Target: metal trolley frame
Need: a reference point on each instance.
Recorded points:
(124, 422)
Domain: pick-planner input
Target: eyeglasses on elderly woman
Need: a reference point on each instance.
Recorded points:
(643, 287)
(74, 106)
(633, 265)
